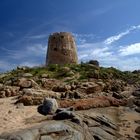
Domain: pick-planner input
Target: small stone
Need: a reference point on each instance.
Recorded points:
(20, 106)
(44, 75)
(137, 102)
(2, 94)
(137, 109)
(27, 75)
(5, 119)
(137, 130)
(136, 93)
(9, 112)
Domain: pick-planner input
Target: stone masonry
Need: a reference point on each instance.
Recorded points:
(61, 49)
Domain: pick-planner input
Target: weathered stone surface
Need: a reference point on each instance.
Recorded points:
(117, 95)
(49, 83)
(64, 109)
(61, 49)
(52, 130)
(35, 97)
(82, 104)
(62, 115)
(27, 83)
(49, 106)
(24, 83)
(105, 121)
(94, 88)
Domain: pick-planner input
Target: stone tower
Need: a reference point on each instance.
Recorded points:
(61, 49)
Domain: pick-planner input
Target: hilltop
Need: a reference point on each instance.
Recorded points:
(94, 92)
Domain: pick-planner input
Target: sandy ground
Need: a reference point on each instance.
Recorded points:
(13, 119)
(127, 124)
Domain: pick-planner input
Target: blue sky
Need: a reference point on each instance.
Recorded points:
(106, 30)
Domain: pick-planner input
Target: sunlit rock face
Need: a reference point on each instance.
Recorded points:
(61, 49)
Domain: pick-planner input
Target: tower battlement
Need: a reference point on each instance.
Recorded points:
(61, 49)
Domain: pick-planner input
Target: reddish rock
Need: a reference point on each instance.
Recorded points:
(83, 104)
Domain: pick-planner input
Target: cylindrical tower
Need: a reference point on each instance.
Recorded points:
(61, 49)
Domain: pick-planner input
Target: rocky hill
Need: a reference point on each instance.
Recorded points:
(105, 102)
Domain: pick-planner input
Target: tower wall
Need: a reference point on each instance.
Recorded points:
(61, 49)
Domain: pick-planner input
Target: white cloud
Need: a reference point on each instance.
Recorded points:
(131, 64)
(30, 51)
(33, 55)
(82, 38)
(110, 55)
(41, 36)
(103, 51)
(130, 49)
(29, 64)
(93, 51)
(114, 38)
(36, 50)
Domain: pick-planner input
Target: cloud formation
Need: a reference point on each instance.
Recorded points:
(109, 54)
(114, 38)
(130, 49)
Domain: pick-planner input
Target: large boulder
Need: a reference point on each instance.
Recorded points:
(24, 83)
(35, 97)
(49, 106)
(27, 83)
(52, 130)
